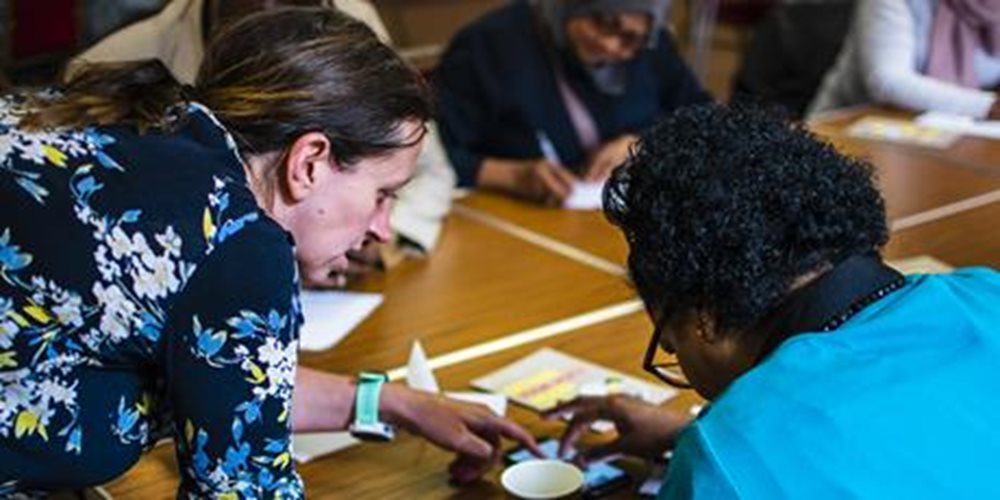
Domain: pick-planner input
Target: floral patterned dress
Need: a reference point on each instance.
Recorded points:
(143, 295)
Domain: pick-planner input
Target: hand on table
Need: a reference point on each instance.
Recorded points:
(644, 430)
(544, 182)
(361, 263)
(608, 157)
(471, 431)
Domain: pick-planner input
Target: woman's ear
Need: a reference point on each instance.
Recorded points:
(705, 327)
(723, 348)
(308, 161)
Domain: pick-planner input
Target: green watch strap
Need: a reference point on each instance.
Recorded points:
(366, 403)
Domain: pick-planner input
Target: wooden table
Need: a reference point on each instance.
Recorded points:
(968, 239)
(411, 468)
(499, 271)
(914, 177)
(481, 284)
(974, 153)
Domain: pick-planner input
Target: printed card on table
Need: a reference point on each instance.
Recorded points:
(901, 131)
(547, 377)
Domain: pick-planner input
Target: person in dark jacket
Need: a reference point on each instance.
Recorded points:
(536, 96)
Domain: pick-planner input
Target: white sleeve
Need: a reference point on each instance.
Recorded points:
(886, 49)
(172, 36)
(364, 11)
(424, 203)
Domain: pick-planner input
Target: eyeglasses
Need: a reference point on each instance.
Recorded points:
(668, 371)
(610, 25)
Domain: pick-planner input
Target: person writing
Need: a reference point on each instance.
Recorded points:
(536, 96)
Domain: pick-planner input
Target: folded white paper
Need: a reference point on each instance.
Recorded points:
(420, 376)
(331, 315)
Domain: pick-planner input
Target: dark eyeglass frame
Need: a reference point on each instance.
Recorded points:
(669, 372)
(609, 25)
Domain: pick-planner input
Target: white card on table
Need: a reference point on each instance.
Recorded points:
(330, 315)
(585, 196)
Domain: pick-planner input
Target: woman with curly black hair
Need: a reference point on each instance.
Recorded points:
(755, 248)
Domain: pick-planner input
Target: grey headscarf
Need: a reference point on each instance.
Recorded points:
(611, 78)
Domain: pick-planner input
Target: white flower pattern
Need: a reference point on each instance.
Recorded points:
(53, 327)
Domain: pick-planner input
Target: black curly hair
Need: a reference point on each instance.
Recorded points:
(724, 207)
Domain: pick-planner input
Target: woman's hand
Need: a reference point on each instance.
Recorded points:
(644, 430)
(472, 431)
(535, 180)
(362, 262)
(609, 156)
(365, 261)
(324, 402)
(544, 182)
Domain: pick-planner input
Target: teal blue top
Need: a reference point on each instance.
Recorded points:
(902, 401)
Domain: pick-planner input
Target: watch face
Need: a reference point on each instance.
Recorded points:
(372, 437)
(379, 432)
(374, 377)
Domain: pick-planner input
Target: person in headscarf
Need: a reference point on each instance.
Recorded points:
(921, 55)
(539, 95)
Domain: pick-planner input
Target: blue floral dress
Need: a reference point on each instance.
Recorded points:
(143, 295)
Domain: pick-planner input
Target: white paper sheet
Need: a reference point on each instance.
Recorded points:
(959, 124)
(306, 447)
(585, 196)
(331, 315)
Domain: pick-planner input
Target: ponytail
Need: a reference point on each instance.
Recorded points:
(134, 93)
(268, 78)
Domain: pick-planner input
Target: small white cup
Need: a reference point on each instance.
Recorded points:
(542, 479)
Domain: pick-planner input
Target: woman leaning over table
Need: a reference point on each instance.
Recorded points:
(756, 251)
(920, 55)
(148, 245)
(178, 34)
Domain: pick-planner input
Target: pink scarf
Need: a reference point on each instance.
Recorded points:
(960, 28)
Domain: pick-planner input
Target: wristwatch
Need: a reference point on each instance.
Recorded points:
(366, 425)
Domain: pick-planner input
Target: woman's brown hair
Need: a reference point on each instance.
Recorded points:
(269, 78)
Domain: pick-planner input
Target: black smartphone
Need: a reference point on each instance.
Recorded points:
(600, 478)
